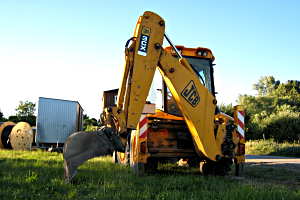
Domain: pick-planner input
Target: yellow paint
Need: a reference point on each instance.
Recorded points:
(194, 100)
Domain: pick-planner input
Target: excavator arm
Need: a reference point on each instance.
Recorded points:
(194, 100)
(143, 56)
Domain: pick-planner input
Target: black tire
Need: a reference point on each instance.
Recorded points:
(239, 169)
(220, 168)
(207, 168)
(193, 162)
(151, 165)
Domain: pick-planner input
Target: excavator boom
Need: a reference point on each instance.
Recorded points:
(141, 61)
(196, 103)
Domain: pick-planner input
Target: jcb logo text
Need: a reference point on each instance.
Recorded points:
(190, 94)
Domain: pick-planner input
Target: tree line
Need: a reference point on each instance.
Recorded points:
(274, 112)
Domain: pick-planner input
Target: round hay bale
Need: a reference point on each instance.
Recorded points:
(21, 136)
(5, 129)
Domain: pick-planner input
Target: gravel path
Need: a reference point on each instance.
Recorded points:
(274, 161)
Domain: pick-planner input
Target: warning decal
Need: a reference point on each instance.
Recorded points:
(144, 41)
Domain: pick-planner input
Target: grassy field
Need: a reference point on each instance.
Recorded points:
(38, 175)
(270, 147)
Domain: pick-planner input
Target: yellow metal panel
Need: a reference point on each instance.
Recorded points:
(221, 134)
(196, 103)
(194, 52)
(150, 31)
(127, 68)
(163, 115)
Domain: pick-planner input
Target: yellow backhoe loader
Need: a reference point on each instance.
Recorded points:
(189, 126)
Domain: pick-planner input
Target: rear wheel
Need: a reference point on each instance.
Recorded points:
(193, 162)
(239, 168)
(151, 165)
(207, 168)
(220, 168)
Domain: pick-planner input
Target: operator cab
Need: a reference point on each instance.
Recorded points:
(201, 60)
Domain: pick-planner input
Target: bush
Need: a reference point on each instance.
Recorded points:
(270, 147)
(253, 130)
(91, 128)
(282, 126)
(29, 119)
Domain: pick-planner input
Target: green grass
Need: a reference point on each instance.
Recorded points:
(270, 147)
(39, 175)
(278, 175)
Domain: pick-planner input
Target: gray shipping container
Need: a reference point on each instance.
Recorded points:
(56, 120)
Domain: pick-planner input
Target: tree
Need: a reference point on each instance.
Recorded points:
(274, 112)
(2, 118)
(89, 124)
(227, 109)
(25, 113)
(266, 85)
(25, 109)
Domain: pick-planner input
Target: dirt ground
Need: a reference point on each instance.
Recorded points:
(274, 161)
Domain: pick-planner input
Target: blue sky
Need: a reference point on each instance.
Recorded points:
(75, 49)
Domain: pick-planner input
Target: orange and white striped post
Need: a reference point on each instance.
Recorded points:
(239, 121)
(143, 126)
